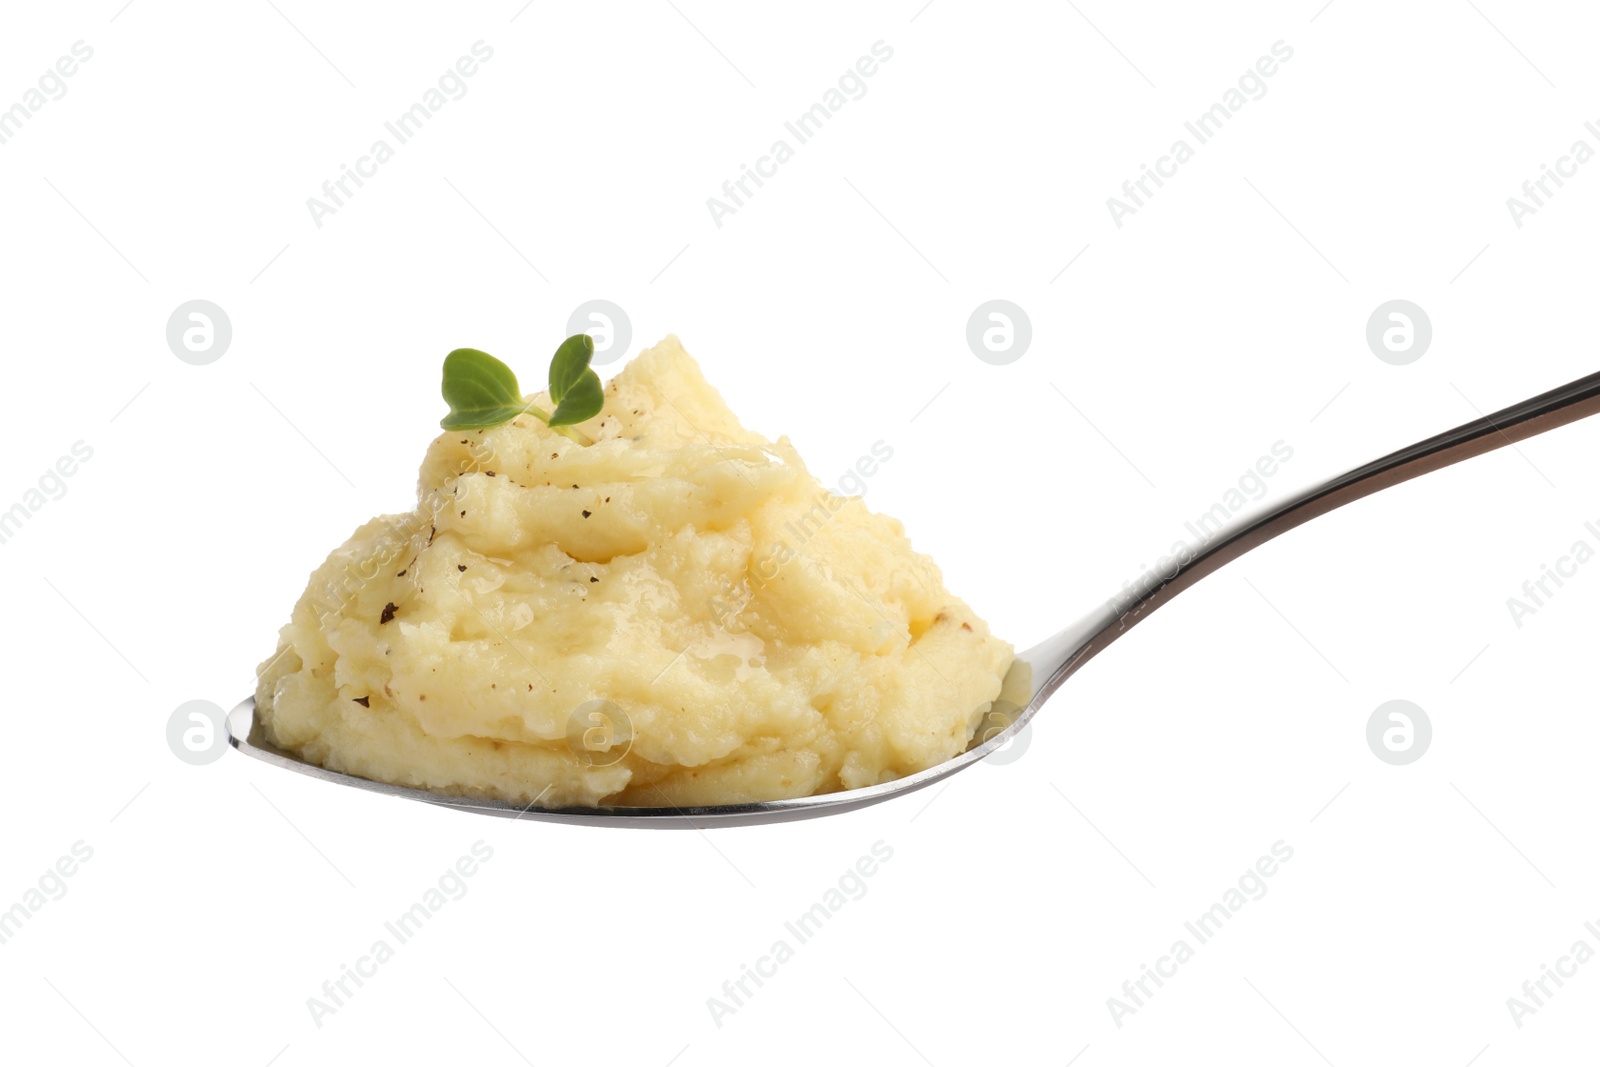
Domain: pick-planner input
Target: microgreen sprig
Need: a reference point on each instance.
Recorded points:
(483, 392)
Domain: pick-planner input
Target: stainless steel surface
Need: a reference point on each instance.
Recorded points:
(1041, 669)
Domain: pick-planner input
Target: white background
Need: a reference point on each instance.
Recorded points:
(1226, 315)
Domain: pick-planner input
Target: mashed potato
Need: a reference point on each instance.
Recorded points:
(677, 614)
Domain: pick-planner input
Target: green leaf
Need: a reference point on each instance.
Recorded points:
(568, 365)
(480, 390)
(582, 402)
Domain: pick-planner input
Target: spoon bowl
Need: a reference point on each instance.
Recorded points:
(1039, 671)
(246, 735)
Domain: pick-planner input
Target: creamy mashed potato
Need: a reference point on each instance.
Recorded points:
(677, 614)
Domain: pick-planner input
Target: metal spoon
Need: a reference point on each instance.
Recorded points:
(1039, 671)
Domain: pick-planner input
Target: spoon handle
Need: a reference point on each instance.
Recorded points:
(1078, 644)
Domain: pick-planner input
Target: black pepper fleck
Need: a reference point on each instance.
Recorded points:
(365, 702)
(461, 566)
(388, 613)
(586, 514)
(594, 579)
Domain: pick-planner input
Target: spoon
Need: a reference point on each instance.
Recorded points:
(1039, 671)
